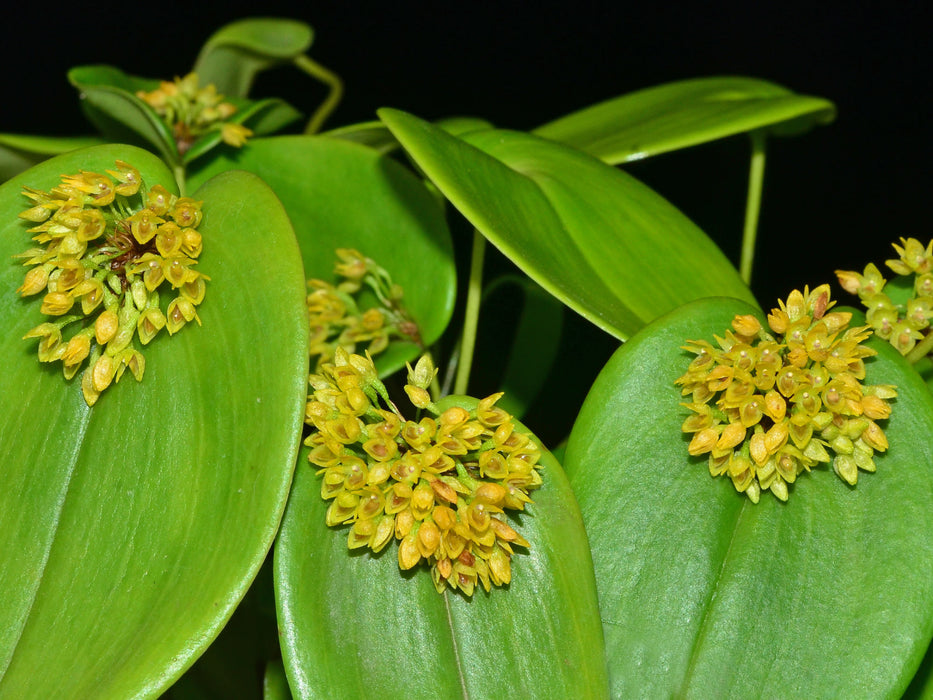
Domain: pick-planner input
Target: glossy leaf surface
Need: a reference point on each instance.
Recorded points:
(18, 152)
(132, 529)
(828, 595)
(353, 625)
(108, 97)
(343, 195)
(235, 53)
(597, 239)
(685, 113)
(535, 341)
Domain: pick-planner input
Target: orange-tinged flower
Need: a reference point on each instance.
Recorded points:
(766, 407)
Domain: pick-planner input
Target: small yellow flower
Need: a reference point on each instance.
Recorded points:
(440, 486)
(234, 135)
(767, 407)
(99, 247)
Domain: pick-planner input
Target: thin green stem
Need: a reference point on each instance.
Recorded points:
(921, 349)
(179, 172)
(471, 319)
(329, 78)
(756, 175)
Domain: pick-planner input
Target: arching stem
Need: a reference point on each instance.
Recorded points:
(756, 175)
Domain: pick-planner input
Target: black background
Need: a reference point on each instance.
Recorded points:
(864, 179)
(834, 197)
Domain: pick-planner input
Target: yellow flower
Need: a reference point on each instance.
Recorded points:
(96, 247)
(440, 486)
(767, 407)
(234, 134)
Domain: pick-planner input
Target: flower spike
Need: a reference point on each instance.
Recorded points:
(767, 407)
(103, 257)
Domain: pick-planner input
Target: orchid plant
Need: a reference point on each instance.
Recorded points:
(314, 489)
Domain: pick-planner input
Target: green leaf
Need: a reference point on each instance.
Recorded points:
(685, 113)
(535, 342)
(597, 239)
(354, 626)
(234, 663)
(132, 529)
(261, 117)
(376, 135)
(700, 589)
(343, 195)
(275, 682)
(108, 97)
(19, 152)
(235, 53)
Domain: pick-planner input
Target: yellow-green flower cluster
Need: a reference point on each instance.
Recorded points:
(904, 320)
(768, 406)
(336, 311)
(192, 111)
(108, 250)
(439, 485)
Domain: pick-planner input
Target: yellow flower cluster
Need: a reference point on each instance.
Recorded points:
(439, 485)
(192, 111)
(336, 314)
(768, 406)
(903, 320)
(106, 248)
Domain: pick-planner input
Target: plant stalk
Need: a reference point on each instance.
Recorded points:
(921, 349)
(756, 176)
(471, 316)
(329, 78)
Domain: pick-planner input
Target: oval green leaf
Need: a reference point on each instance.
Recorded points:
(596, 238)
(19, 152)
(354, 626)
(132, 529)
(828, 595)
(235, 53)
(685, 113)
(343, 195)
(108, 97)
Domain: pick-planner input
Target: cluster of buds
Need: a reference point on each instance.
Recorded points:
(191, 112)
(768, 406)
(903, 320)
(106, 247)
(336, 312)
(439, 485)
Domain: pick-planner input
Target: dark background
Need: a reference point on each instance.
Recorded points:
(863, 178)
(834, 197)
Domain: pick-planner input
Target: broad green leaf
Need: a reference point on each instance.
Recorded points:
(234, 663)
(921, 686)
(535, 343)
(704, 593)
(236, 52)
(597, 239)
(354, 626)
(343, 195)
(685, 113)
(19, 152)
(108, 97)
(376, 135)
(132, 529)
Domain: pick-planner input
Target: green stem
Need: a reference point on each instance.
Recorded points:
(756, 175)
(471, 318)
(921, 349)
(329, 78)
(179, 172)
